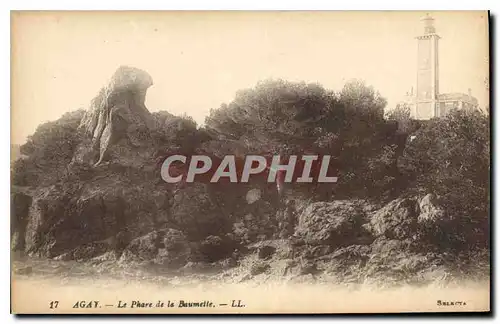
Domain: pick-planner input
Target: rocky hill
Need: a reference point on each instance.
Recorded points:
(90, 190)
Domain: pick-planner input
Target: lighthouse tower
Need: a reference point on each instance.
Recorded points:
(427, 102)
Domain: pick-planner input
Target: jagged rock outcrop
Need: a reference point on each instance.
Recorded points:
(117, 125)
(92, 207)
(337, 223)
(430, 211)
(84, 220)
(90, 211)
(87, 251)
(254, 222)
(47, 214)
(396, 220)
(122, 213)
(19, 216)
(215, 248)
(167, 247)
(346, 264)
(393, 263)
(265, 252)
(194, 208)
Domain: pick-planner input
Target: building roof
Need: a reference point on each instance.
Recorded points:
(457, 96)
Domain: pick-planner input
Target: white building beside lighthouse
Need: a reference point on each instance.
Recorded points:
(427, 102)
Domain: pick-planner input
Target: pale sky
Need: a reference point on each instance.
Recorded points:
(198, 60)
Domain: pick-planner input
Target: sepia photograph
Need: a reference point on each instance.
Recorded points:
(250, 162)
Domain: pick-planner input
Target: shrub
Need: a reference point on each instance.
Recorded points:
(450, 157)
(48, 151)
(281, 117)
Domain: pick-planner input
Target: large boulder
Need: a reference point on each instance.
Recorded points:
(337, 223)
(396, 220)
(254, 222)
(215, 248)
(167, 247)
(430, 211)
(64, 217)
(118, 123)
(87, 251)
(106, 182)
(345, 265)
(393, 263)
(195, 210)
(48, 212)
(59, 222)
(146, 247)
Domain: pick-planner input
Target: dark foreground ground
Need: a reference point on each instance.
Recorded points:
(272, 289)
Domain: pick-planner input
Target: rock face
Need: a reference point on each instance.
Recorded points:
(430, 212)
(61, 218)
(253, 195)
(265, 252)
(393, 263)
(107, 202)
(192, 201)
(215, 248)
(86, 252)
(47, 215)
(167, 247)
(345, 263)
(19, 216)
(109, 191)
(117, 121)
(396, 220)
(336, 223)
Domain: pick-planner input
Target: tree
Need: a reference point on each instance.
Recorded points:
(273, 114)
(48, 151)
(281, 117)
(358, 95)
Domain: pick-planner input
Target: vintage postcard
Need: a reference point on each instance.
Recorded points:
(246, 162)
